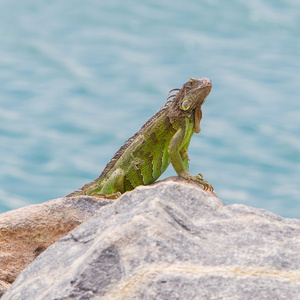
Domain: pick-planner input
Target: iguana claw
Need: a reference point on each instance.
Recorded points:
(206, 185)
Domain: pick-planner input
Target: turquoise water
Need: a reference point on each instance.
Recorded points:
(77, 78)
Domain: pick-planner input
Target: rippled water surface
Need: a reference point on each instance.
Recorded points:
(77, 78)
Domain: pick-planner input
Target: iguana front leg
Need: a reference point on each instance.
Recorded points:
(179, 159)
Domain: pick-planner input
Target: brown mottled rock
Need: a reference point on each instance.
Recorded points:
(26, 232)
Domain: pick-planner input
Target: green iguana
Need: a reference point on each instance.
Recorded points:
(164, 139)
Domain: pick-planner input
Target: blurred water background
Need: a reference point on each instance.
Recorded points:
(77, 78)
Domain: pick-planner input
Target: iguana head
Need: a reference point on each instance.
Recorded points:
(194, 92)
(190, 97)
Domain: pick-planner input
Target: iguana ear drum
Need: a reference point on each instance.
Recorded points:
(185, 105)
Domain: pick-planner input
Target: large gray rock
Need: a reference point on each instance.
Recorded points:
(169, 241)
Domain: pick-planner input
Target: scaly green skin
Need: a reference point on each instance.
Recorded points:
(164, 139)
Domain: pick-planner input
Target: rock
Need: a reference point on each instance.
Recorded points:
(169, 241)
(3, 287)
(28, 231)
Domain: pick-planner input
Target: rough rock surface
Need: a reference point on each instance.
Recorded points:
(169, 241)
(28, 231)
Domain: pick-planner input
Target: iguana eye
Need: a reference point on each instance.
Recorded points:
(191, 82)
(185, 105)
